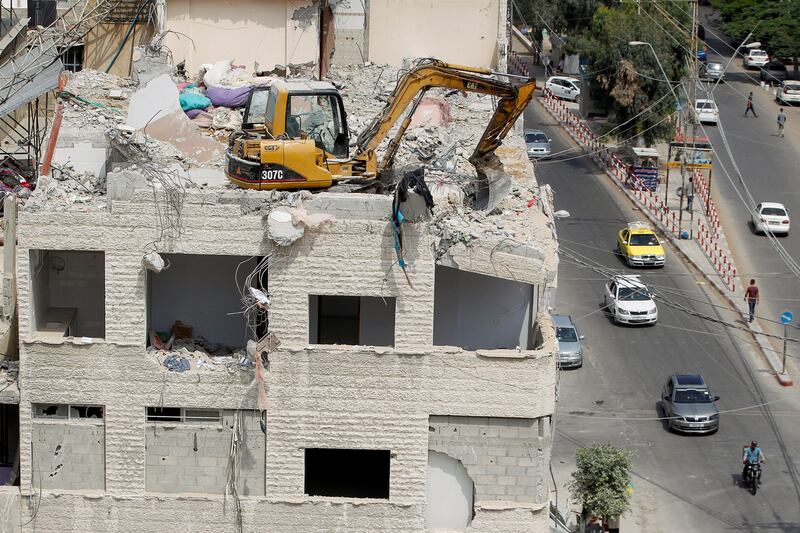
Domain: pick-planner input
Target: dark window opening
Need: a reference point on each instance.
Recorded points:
(163, 414)
(72, 58)
(351, 320)
(347, 473)
(9, 439)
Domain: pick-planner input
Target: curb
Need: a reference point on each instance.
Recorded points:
(755, 329)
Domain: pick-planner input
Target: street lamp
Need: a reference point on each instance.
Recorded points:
(677, 109)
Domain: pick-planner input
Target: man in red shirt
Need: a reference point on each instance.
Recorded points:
(751, 297)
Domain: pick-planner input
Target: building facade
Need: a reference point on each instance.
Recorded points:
(369, 399)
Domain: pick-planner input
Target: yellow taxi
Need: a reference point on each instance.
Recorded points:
(638, 244)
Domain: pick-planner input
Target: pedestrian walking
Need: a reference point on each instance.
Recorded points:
(561, 66)
(781, 122)
(690, 194)
(547, 65)
(751, 297)
(750, 105)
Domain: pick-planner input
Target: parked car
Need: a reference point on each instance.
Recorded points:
(538, 144)
(689, 405)
(789, 92)
(706, 111)
(702, 55)
(564, 87)
(755, 58)
(570, 351)
(771, 217)
(639, 246)
(773, 72)
(713, 71)
(628, 301)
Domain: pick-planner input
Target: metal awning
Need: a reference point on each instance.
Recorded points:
(26, 79)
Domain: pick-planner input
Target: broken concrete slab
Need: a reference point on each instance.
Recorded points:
(148, 65)
(156, 100)
(207, 177)
(121, 184)
(280, 227)
(153, 261)
(176, 128)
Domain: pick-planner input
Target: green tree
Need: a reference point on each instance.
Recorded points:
(602, 479)
(626, 80)
(774, 23)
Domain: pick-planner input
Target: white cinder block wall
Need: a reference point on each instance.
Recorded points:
(319, 396)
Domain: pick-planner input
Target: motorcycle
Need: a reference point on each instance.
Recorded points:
(752, 476)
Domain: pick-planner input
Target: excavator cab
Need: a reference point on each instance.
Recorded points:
(291, 134)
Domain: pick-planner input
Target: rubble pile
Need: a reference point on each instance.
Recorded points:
(199, 354)
(443, 145)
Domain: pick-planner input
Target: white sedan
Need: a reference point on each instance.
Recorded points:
(706, 111)
(771, 217)
(628, 301)
(789, 92)
(564, 87)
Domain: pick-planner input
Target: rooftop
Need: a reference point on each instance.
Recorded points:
(113, 143)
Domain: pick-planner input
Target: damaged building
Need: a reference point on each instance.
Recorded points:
(182, 353)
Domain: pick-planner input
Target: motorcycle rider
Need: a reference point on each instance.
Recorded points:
(752, 455)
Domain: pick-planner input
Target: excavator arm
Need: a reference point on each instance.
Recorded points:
(432, 73)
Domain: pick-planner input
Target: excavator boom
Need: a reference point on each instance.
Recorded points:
(412, 86)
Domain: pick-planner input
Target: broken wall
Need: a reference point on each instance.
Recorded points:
(68, 454)
(507, 458)
(458, 31)
(475, 311)
(350, 30)
(266, 32)
(194, 457)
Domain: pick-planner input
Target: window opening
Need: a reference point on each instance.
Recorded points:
(67, 412)
(347, 473)
(351, 320)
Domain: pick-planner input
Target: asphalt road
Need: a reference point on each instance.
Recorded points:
(681, 483)
(770, 169)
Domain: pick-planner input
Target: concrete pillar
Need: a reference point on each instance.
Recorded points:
(10, 256)
(503, 23)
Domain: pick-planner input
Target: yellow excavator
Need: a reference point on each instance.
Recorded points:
(294, 134)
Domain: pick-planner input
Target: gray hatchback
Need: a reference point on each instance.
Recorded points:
(570, 352)
(688, 403)
(537, 143)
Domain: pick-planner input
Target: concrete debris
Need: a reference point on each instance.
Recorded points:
(153, 261)
(431, 111)
(197, 353)
(149, 64)
(301, 217)
(226, 119)
(262, 300)
(281, 228)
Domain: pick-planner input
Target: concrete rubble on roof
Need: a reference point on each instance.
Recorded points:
(517, 217)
